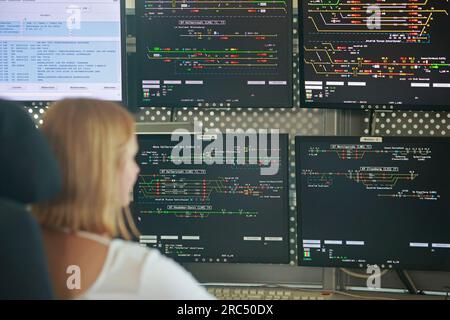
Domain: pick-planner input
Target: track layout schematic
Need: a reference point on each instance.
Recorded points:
(215, 53)
(170, 187)
(365, 201)
(376, 52)
(201, 212)
(368, 173)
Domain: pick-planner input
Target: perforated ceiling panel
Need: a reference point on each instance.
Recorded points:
(412, 124)
(154, 115)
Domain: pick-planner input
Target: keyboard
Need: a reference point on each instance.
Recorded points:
(265, 293)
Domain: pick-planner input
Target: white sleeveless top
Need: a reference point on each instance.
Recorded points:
(134, 272)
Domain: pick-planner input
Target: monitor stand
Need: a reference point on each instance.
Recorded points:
(408, 282)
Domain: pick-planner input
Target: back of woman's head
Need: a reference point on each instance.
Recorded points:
(89, 138)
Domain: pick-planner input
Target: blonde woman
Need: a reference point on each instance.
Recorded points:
(95, 144)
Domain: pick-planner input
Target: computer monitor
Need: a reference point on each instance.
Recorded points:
(385, 55)
(51, 50)
(366, 201)
(229, 212)
(214, 53)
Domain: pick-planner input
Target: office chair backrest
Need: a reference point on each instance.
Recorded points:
(23, 268)
(29, 173)
(28, 169)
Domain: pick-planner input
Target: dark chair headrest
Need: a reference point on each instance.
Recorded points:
(29, 171)
(23, 268)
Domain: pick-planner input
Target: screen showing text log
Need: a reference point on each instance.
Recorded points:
(51, 50)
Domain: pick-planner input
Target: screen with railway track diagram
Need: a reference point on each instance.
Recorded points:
(365, 201)
(200, 211)
(206, 53)
(381, 54)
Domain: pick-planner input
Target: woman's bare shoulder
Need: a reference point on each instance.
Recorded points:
(74, 262)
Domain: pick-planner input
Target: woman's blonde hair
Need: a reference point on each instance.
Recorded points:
(89, 138)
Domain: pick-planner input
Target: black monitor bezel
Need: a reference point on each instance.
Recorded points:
(124, 100)
(290, 85)
(300, 139)
(347, 106)
(284, 136)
